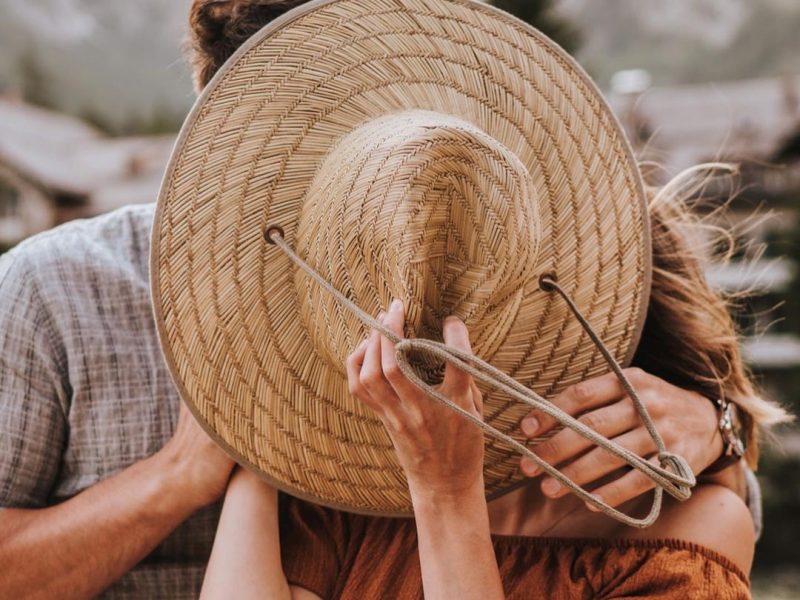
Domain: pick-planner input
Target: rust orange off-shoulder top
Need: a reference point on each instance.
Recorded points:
(352, 557)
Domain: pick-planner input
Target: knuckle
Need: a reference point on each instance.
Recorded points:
(571, 474)
(614, 493)
(547, 450)
(370, 379)
(581, 392)
(653, 401)
(411, 422)
(393, 372)
(636, 375)
(395, 425)
(593, 420)
(416, 419)
(668, 429)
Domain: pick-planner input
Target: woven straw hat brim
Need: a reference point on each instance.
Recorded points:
(255, 349)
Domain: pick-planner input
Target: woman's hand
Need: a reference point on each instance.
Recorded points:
(440, 452)
(686, 421)
(442, 456)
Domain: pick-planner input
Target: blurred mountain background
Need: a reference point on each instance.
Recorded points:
(687, 41)
(119, 65)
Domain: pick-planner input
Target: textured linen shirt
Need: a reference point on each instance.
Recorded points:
(84, 389)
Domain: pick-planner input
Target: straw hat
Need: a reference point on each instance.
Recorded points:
(437, 151)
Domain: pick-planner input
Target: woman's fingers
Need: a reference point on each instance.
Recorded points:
(599, 462)
(477, 398)
(577, 399)
(375, 377)
(371, 377)
(393, 321)
(608, 421)
(353, 366)
(456, 381)
(627, 487)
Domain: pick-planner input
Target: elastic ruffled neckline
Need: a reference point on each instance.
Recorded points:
(621, 544)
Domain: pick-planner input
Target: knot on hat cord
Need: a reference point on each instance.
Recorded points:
(672, 474)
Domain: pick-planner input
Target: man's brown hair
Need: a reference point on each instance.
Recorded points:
(218, 27)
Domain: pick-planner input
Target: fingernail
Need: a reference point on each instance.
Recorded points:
(530, 426)
(592, 507)
(551, 487)
(397, 304)
(381, 315)
(528, 467)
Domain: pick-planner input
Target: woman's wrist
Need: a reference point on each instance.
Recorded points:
(728, 447)
(455, 545)
(468, 501)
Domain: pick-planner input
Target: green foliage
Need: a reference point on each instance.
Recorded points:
(541, 15)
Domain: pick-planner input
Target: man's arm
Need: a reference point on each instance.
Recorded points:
(79, 547)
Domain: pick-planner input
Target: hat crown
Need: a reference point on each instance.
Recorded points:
(424, 207)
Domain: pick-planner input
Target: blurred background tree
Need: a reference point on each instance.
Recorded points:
(543, 15)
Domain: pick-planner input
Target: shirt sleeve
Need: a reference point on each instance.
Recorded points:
(33, 397)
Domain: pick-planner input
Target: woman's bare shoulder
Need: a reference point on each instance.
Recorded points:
(714, 517)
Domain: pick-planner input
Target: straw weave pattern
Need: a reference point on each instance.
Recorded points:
(435, 151)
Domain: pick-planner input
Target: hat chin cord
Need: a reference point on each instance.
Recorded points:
(672, 474)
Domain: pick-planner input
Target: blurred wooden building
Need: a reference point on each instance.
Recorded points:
(54, 168)
(756, 124)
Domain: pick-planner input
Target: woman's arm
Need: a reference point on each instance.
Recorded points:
(246, 559)
(442, 456)
(455, 547)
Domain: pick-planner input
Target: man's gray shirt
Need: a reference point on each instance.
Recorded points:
(84, 390)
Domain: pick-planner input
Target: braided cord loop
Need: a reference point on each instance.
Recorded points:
(673, 474)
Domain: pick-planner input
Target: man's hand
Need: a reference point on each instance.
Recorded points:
(686, 421)
(77, 548)
(201, 468)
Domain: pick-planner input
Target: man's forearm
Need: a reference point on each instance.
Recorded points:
(79, 547)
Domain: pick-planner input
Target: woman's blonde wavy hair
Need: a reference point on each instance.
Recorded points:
(689, 322)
